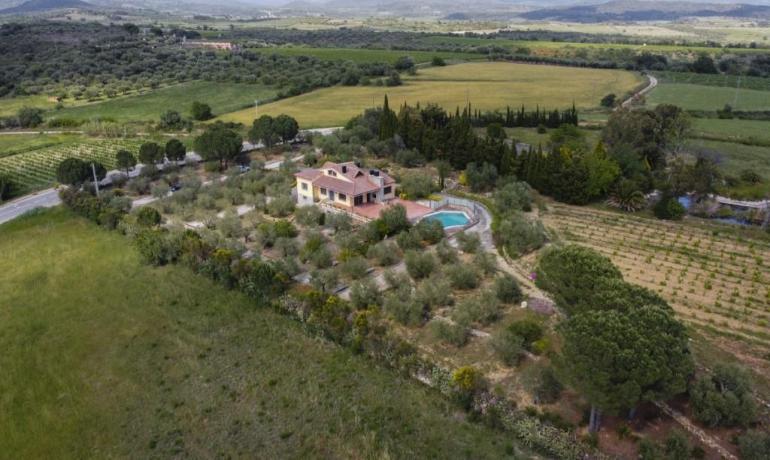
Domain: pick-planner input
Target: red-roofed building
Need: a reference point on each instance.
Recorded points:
(344, 185)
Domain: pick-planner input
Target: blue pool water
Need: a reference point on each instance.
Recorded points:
(449, 218)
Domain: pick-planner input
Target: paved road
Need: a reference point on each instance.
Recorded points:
(43, 199)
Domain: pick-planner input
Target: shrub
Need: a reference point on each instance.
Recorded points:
(309, 216)
(400, 305)
(462, 276)
(157, 246)
(354, 267)
(724, 398)
(513, 196)
(395, 279)
(430, 231)
(454, 333)
(669, 208)
(507, 346)
(282, 228)
(160, 190)
(409, 240)
(529, 330)
(364, 294)
(409, 158)
(446, 253)
(419, 265)
(548, 388)
(483, 308)
(486, 262)
(339, 222)
(280, 206)
(677, 446)
(324, 280)
(384, 253)
(507, 289)
(394, 220)
(754, 445)
(434, 292)
(519, 236)
(416, 185)
(147, 216)
(469, 242)
(321, 258)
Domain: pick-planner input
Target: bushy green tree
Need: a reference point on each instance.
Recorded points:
(724, 398)
(219, 143)
(150, 153)
(201, 111)
(125, 160)
(617, 359)
(73, 171)
(175, 150)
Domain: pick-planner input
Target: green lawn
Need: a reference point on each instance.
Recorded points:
(104, 357)
(222, 97)
(487, 85)
(703, 97)
(370, 55)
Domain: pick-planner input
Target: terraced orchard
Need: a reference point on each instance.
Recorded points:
(718, 282)
(36, 169)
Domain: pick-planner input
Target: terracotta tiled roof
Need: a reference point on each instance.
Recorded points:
(359, 181)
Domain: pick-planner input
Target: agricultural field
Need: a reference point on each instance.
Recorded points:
(12, 144)
(709, 98)
(36, 169)
(106, 357)
(715, 277)
(222, 97)
(727, 81)
(370, 55)
(734, 130)
(488, 86)
(9, 106)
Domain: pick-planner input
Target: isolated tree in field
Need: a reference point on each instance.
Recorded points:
(201, 111)
(404, 63)
(263, 130)
(609, 100)
(73, 171)
(29, 117)
(125, 160)
(285, 127)
(438, 61)
(219, 143)
(171, 119)
(150, 153)
(704, 64)
(617, 359)
(175, 150)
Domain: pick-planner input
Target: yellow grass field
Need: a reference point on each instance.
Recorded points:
(488, 86)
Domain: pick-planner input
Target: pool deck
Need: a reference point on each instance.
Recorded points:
(414, 211)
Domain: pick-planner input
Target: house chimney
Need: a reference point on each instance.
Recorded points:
(344, 169)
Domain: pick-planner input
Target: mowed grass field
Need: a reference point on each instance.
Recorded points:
(488, 86)
(104, 357)
(370, 55)
(222, 97)
(702, 97)
(743, 130)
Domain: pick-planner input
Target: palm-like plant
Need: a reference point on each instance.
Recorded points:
(627, 196)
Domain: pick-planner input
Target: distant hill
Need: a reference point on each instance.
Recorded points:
(34, 6)
(625, 10)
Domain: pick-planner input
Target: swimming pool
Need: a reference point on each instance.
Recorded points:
(449, 219)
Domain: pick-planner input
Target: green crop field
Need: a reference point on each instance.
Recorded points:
(222, 97)
(747, 131)
(9, 106)
(488, 86)
(703, 97)
(36, 169)
(727, 81)
(13, 144)
(104, 357)
(735, 157)
(543, 47)
(370, 55)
